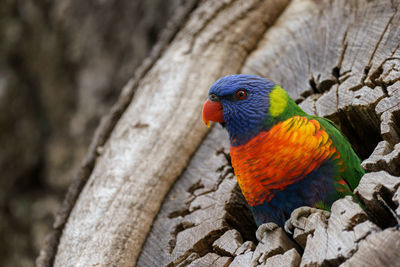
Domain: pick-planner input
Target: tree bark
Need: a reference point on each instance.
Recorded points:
(337, 59)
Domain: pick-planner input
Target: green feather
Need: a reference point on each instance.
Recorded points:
(353, 171)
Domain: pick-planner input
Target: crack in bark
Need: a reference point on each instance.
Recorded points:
(101, 135)
(380, 38)
(389, 205)
(344, 48)
(336, 72)
(376, 77)
(226, 172)
(187, 211)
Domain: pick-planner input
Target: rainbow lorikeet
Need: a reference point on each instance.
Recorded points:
(283, 158)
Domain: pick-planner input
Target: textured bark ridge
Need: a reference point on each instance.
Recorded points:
(130, 170)
(62, 66)
(339, 59)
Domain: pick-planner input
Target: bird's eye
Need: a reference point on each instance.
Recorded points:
(213, 97)
(241, 94)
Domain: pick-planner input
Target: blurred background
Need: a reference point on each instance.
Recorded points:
(62, 66)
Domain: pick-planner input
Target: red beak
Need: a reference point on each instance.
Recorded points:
(212, 111)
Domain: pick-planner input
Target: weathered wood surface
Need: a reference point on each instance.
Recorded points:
(153, 140)
(338, 59)
(62, 66)
(203, 204)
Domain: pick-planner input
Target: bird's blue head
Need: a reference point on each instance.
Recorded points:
(242, 102)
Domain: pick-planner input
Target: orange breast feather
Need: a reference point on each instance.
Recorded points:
(282, 156)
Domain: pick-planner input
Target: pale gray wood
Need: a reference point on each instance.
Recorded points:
(378, 249)
(339, 59)
(245, 247)
(202, 205)
(330, 55)
(242, 260)
(389, 110)
(228, 243)
(211, 259)
(145, 152)
(273, 243)
(290, 258)
(103, 131)
(314, 52)
(376, 190)
(307, 227)
(385, 157)
(337, 239)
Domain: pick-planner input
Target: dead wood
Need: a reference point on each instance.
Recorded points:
(47, 254)
(338, 59)
(115, 209)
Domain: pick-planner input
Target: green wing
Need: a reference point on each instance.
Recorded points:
(353, 172)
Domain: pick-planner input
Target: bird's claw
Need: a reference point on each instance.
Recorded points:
(264, 228)
(293, 221)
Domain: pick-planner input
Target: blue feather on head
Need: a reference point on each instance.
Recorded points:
(244, 117)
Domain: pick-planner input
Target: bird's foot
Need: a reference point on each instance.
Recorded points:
(293, 221)
(264, 229)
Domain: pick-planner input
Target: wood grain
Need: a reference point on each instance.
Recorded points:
(335, 59)
(338, 59)
(145, 153)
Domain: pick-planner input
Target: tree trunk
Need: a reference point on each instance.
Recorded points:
(62, 66)
(337, 59)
